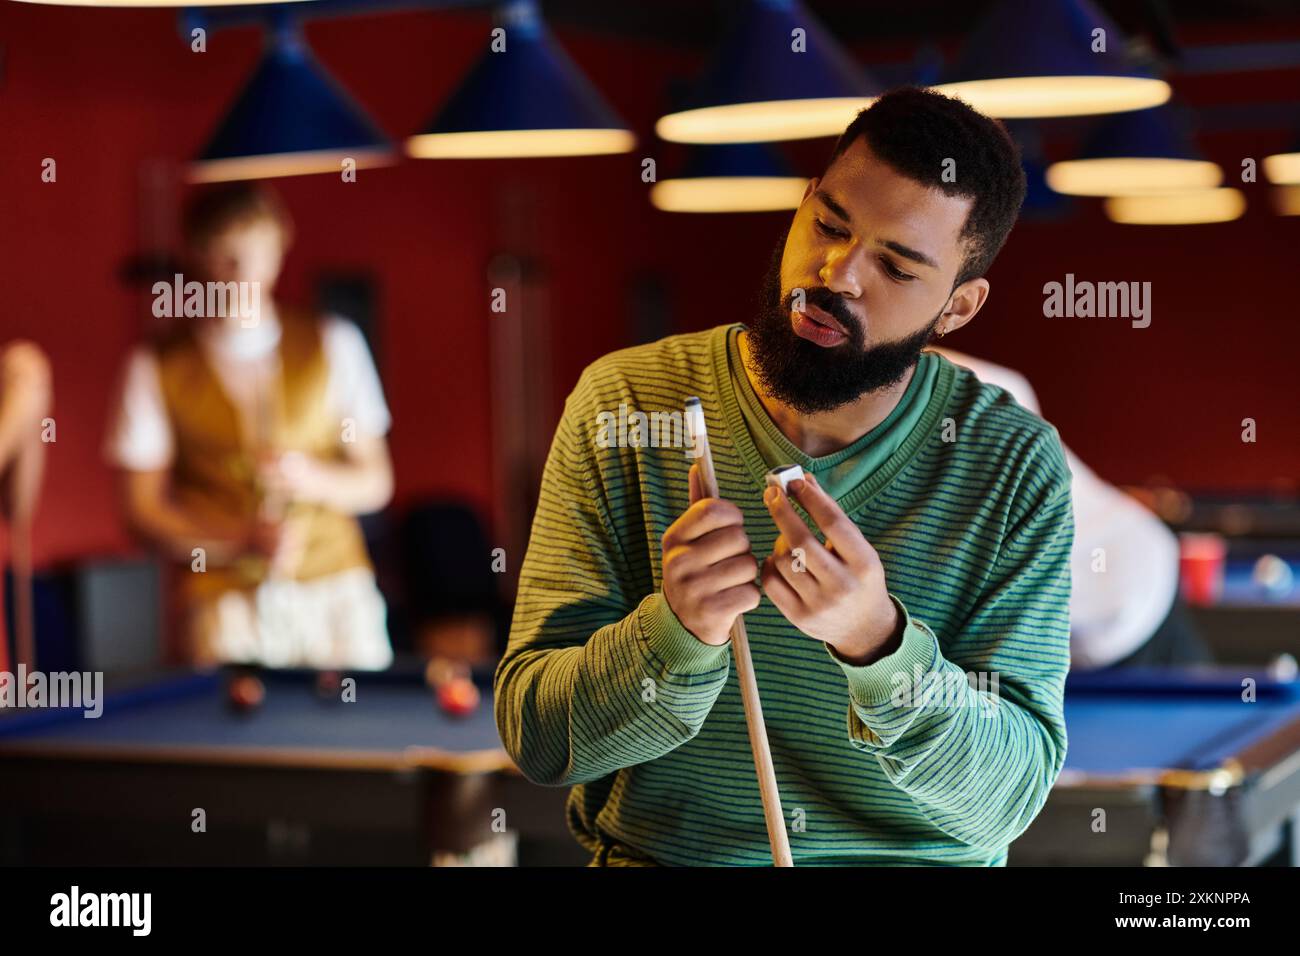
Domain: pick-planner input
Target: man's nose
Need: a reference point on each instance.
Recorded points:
(840, 274)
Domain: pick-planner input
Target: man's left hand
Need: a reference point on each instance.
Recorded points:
(839, 597)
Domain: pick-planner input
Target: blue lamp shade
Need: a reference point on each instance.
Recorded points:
(1038, 58)
(528, 99)
(746, 177)
(1041, 202)
(779, 75)
(1148, 151)
(292, 118)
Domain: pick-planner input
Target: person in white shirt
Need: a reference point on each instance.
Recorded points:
(248, 440)
(1124, 606)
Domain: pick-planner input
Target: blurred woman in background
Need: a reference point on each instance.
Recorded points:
(247, 445)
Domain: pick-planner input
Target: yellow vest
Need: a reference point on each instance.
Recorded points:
(214, 468)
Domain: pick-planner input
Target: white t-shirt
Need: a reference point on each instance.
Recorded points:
(1114, 611)
(140, 434)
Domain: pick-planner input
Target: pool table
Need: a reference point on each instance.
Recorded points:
(1240, 589)
(1186, 772)
(1250, 624)
(386, 779)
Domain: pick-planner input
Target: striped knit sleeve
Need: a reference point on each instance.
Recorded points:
(977, 739)
(599, 674)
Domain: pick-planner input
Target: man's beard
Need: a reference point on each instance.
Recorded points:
(811, 378)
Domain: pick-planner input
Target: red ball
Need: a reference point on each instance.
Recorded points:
(329, 685)
(458, 697)
(246, 693)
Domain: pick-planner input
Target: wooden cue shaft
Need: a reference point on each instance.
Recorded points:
(776, 833)
(267, 430)
(24, 630)
(5, 664)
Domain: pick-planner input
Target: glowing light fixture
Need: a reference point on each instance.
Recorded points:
(779, 75)
(1035, 58)
(1139, 152)
(1177, 208)
(529, 99)
(1286, 200)
(291, 119)
(1283, 168)
(732, 178)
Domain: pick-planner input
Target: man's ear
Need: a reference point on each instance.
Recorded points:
(966, 300)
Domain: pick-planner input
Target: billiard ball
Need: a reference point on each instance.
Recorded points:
(245, 693)
(1274, 575)
(452, 686)
(1284, 668)
(329, 686)
(458, 697)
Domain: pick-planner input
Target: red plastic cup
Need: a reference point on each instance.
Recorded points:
(1201, 558)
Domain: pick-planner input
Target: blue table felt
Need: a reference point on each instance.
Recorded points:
(390, 714)
(1189, 719)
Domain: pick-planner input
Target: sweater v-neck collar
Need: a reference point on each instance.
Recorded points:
(734, 417)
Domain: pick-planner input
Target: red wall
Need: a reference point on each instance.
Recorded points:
(104, 91)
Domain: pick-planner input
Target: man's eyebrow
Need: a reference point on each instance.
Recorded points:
(829, 202)
(907, 252)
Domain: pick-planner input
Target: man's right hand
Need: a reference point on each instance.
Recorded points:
(708, 566)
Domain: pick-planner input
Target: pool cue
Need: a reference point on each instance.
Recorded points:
(23, 481)
(269, 507)
(4, 649)
(24, 478)
(767, 788)
(24, 628)
(24, 634)
(267, 432)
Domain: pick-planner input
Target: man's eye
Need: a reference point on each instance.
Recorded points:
(895, 272)
(827, 230)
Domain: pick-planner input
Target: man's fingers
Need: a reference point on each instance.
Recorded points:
(718, 545)
(699, 519)
(797, 535)
(841, 533)
(734, 571)
(792, 565)
(778, 589)
(736, 600)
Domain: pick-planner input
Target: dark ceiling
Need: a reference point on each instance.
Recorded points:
(698, 23)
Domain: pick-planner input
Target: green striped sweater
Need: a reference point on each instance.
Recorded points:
(940, 753)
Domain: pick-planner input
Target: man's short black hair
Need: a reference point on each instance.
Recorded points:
(914, 131)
